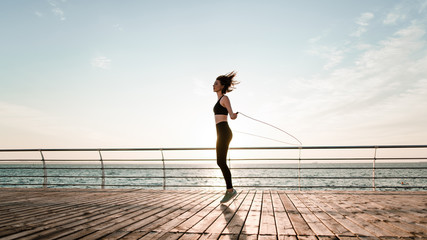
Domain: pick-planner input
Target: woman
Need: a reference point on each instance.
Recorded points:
(222, 108)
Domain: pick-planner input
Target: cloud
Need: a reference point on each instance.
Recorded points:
(320, 37)
(101, 62)
(398, 13)
(332, 55)
(364, 19)
(38, 14)
(118, 27)
(393, 17)
(334, 58)
(387, 84)
(363, 22)
(57, 11)
(422, 7)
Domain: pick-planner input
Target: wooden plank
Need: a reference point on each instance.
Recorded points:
(24, 210)
(340, 218)
(283, 237)
(187, 212)
(251, 226)
(348, 238)
(190, 236)
(168, 218)
(346, 203)
(227, 213)
(49, 207)
(267, 237)
(10, 210)
(134, 221)
(398, 218)
(235, 226)
(387, 219)
(205, 223)
(356, 216)
(283, 223)
(395, 199)
(169, 236)
(134, 235)
(307, 238)
(70, 218)
(99, 226)
(411, 213)
(327, 220)
(189, 223)
(89, 224)
(300, 225)
(248, 237)
(85, 225)
(327, 238)
(210, 236)
(228, 237)
(315, 224)
(268, 223)
(54, 216)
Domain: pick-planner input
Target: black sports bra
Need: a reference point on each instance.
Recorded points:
(219, 109)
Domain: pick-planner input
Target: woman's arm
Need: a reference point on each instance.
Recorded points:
(225, 102)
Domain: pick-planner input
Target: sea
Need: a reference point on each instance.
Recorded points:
(396, 176)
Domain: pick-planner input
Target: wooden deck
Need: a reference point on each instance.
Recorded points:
(170, 214)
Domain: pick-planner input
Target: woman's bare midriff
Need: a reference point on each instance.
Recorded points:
(220, 118)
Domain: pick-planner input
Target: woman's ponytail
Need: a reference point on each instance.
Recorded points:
(228, 82)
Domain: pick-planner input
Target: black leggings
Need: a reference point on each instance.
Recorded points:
(224, 136)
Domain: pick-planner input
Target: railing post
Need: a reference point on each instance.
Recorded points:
(102, 169)
(44, 170)
(164, 169)
(373, 169)
(299, 168)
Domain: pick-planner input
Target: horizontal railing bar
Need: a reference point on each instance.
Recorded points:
(190, 177)
(290, 159)
(295, 177)
(38, 161)
(243, 186)
(99, 168)
(196, 149)
(105, 160)
(213, 168)
(280, 186)
(59, 184)
(200, 160)
(337, 168)
(53, 176)
(296, 159)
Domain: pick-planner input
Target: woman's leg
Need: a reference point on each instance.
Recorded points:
(224, 137)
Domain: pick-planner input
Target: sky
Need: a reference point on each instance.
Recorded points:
(101, 74)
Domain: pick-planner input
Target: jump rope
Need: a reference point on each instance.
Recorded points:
(268, 124)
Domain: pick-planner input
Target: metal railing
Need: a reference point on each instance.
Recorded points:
(12, 168)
